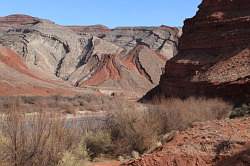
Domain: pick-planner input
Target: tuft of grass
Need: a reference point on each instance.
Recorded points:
(72, 159)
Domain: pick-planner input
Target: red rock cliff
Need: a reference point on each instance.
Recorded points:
(214, 54)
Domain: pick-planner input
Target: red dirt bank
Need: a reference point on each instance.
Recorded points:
(216, 143)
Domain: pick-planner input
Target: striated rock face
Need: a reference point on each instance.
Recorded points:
(17, 79)
(124, 59)
(214, 54)
(18, 19)
(163, 40)
(92, 29)
(213, 143)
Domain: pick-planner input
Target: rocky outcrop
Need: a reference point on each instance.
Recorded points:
(214, 54)
(163, 40)
(140, 59)
(91, 56)
(213, 143)
(44, 46)
(92, 29)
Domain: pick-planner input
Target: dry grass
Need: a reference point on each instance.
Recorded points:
(133, 128)
(69, 105)
(48, 139)
(177, 114)
(97, 143)
(71, 159)
(39, 139)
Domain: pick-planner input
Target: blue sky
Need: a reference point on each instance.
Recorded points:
(111, 13)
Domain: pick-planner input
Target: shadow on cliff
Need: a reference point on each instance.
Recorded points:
(237, 91)
(233, 92)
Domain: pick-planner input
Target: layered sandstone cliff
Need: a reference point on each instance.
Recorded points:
(214, 54)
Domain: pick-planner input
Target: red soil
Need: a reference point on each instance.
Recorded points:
(130, 60)
(11, 59)
(107, 70)
(108, 163)
(16, 90)
(36, 86)
(216, 143)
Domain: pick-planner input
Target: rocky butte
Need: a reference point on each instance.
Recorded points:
(214, 55)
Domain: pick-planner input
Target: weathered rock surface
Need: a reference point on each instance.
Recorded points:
(163, 40)
(92, 29)
(124, 59)
(17, 79)
(214, 54)
(216, 143)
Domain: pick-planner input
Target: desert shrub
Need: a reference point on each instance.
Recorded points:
(97, 143)
(177, 114)
(37, 139)
(132, 129)
(69, 159)
(243, 110)
(75, 158)
(50, 139)
(69, 105)
(136, 128)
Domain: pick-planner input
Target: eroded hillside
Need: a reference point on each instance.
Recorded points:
(122, 60)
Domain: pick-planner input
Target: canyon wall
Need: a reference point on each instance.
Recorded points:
(214, 54)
